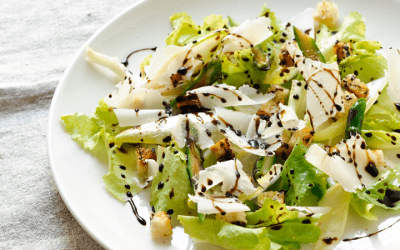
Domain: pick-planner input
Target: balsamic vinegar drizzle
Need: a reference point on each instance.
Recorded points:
(372, 234)
(135, 212)
(125, 61)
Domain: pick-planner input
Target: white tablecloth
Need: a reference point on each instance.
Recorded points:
(38, 40)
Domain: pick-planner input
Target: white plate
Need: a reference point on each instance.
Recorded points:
(146, 24)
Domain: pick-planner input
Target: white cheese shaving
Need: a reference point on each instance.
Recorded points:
(324, 93)
(375, 89)
(230, 173)
(349, 163)
(135, 117)
(236, 126)
(394, 74)
(223, 95)
(271, 177)
(309, 211)
(247, 34)
(220, 205)
(304, 21)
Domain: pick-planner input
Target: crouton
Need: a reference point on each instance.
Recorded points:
(327, 13)
(272, 106)
(342, 50)
(284, 150)
(349, 99)
(354, 85)
(144, 154)
(274, 195)
(285, 58)
(160, 225)
(223, 150)
(237, 218)
(305, 135)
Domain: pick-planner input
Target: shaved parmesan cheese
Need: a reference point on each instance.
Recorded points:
(349, 163)
(165, 64)
(375, 89)
(271, 177)
(158, 132)
(223, 95)
(134, 98)
(201, 127)
(247, 34)
(236, 126)
(304, 21)
(309, 211)
(394, 74)
(230, 174)
(215, 206)
(324, 93)
(135, 117)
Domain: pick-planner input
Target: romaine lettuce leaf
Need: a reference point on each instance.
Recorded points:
(362, 207)
(385, 192)
(242, 71)
(304, 184)
(366, 66)
(186, 30)
(300, 230)
(352, 30)
(272, 212)
(225, 234)
(103, 126)
(171, 185)
(84, 129)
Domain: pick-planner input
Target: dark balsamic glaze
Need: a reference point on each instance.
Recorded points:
(125, 61)
(135, 212)
(369, 235)
(329, 240)
(397, 106)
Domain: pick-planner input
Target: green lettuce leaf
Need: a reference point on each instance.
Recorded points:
(362, 207)
(171, 186)
(103, 126)
(352, 30)
(225, 234)
(186, 30)
(366, 66)
(300, 230)
(378, 192)
(304, 184)
(84, 129)
(243, 71)
(272, 212)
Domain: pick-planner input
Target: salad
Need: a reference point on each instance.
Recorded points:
(253, 135)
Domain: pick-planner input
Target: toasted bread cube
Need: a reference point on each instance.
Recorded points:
(327, 13)
(305, 135)
(160, 225)
(142, 155)
(349, 99)
(223, 150)
(342, 50)
(274, 195)
(237, 218)
(354, 85)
